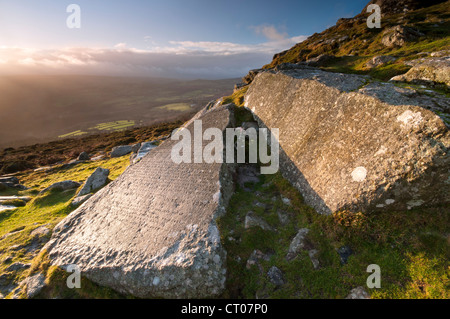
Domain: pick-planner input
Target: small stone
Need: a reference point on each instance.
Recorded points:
(283, 217)
(345, 252)
(83, 157)
(276, 276)
(120, 151)
(40, 232)
(251, 220)
(17, 267)
(313, 256)
(135, 148)
(358, 293)
(298, 244)
(286, 201)
(98, 179)
(35, 285)
(80, 199)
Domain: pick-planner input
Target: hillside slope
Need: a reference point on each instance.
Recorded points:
(349, 45)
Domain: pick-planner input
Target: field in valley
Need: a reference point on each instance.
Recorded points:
(36, 109)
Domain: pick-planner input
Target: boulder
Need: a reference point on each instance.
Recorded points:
(97, 179)
(152, 232)
(319, 60)
(135, 148)
(428, 70)
(120, 151)
(83, 157)
(35, 284)
(61, 186)
(144, 149)
(346, 144)
(379, 60)
(398, 35)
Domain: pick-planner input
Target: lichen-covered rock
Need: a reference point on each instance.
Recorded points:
(152, 232)
(435, 70)
(348, 145)
(399, 35)
(379, 60)
(97, 179)
(35, 284)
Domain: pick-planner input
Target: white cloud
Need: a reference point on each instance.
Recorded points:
(270, 32)
(184, 59)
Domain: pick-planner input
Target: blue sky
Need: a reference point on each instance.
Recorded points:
(210, 39)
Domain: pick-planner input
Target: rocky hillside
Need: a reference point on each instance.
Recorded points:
(409, 30)
(363, 180)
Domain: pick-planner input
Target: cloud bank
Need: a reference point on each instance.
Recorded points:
(179, 59)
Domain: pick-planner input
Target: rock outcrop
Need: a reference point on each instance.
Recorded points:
(152, 232)
(97, 179)
(346, 144)
(428, 70)
(399, 35)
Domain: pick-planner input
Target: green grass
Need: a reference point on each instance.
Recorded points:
(237, 97)
(410, 247)
(179, 107)
(114, 126)
(47, 209)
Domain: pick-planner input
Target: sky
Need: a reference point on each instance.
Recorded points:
(159, 38)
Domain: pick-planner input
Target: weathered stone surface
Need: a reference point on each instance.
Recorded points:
(80, 199)
(276, 276)
(18, 267)
(299, 243)
(379, 60)
(65, 185)
(11, 182)
(35, 285)
(97, 179)
(122, 150)
(313, 257)
(251, 220)
(435, 70)
(358, 293)
(319, 60)
(344, 145)
(144, 150)
(399, 35)
(152, 231)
